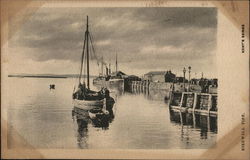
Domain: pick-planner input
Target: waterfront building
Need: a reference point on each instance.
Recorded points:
(160, 76)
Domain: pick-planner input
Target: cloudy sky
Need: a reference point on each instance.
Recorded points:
(145, 39)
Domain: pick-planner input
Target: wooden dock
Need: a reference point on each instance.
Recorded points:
(191, 102)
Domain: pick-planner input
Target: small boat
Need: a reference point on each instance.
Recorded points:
(101, 117)
(85, 98)
(52, 86)
(98, 113)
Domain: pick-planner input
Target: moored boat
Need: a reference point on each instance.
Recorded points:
(110, 80)
(98, 113)
(85, 98)
(52, 86)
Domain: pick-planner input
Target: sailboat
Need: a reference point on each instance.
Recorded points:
(85, 98)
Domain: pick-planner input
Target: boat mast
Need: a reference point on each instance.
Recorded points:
(110, 68)
(116, 63)
(87, 37)
(82, 58)
(102, 66)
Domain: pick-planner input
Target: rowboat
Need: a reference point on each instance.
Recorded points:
(97, 113)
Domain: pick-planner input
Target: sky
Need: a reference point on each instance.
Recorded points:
(144, 39)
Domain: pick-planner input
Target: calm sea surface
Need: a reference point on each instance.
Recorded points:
(46, 118)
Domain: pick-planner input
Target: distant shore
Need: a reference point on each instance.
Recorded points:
(47, 76)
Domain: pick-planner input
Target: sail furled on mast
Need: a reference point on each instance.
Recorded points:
(88, 52)
(82, 59)
(85, 56)
(116, 65)
(87, 48)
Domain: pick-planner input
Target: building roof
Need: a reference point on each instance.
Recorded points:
(156, 73)
(117, 73)
(159, 72)
(132, 76)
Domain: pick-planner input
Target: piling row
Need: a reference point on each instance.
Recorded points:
(139, 85)
(202, 103)
(192, 101)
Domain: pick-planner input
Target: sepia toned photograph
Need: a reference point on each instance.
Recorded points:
(116, 78)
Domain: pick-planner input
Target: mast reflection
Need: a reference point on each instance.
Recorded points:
(81, 118)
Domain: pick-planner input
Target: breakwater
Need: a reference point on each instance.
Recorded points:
(191, 102)
(168, 86)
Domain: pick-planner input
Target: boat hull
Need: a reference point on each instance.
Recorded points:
(98, 114)
(87, 105)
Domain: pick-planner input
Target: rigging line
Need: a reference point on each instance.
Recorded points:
(92, 57)
(82, 57)
(92, 42)
(92, 45)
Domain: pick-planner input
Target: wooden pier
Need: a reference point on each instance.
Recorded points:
(178, 87)
(191, 102)
(179, 99)
(139, 85)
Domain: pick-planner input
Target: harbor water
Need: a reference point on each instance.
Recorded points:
(46, 118)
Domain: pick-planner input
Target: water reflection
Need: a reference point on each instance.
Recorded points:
(104, 121)
(139, 121)
(116, 91)
(191, 120)
(191, 125)
(152, 94)
(83, 121)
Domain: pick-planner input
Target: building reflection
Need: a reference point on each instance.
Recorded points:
(152, 94)
(114, 89)
(188, 121)
(204, 123)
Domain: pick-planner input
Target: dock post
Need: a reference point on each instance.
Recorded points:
(208, 123)
(209, 103)
(132, 85)
(141, 83)
(194, 120)
(140, 86)
(195, 102)
(143, 86)
(182, 97)
(137, 85)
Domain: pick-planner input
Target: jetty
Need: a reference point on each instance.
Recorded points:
(191, 102)
(194, 95)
